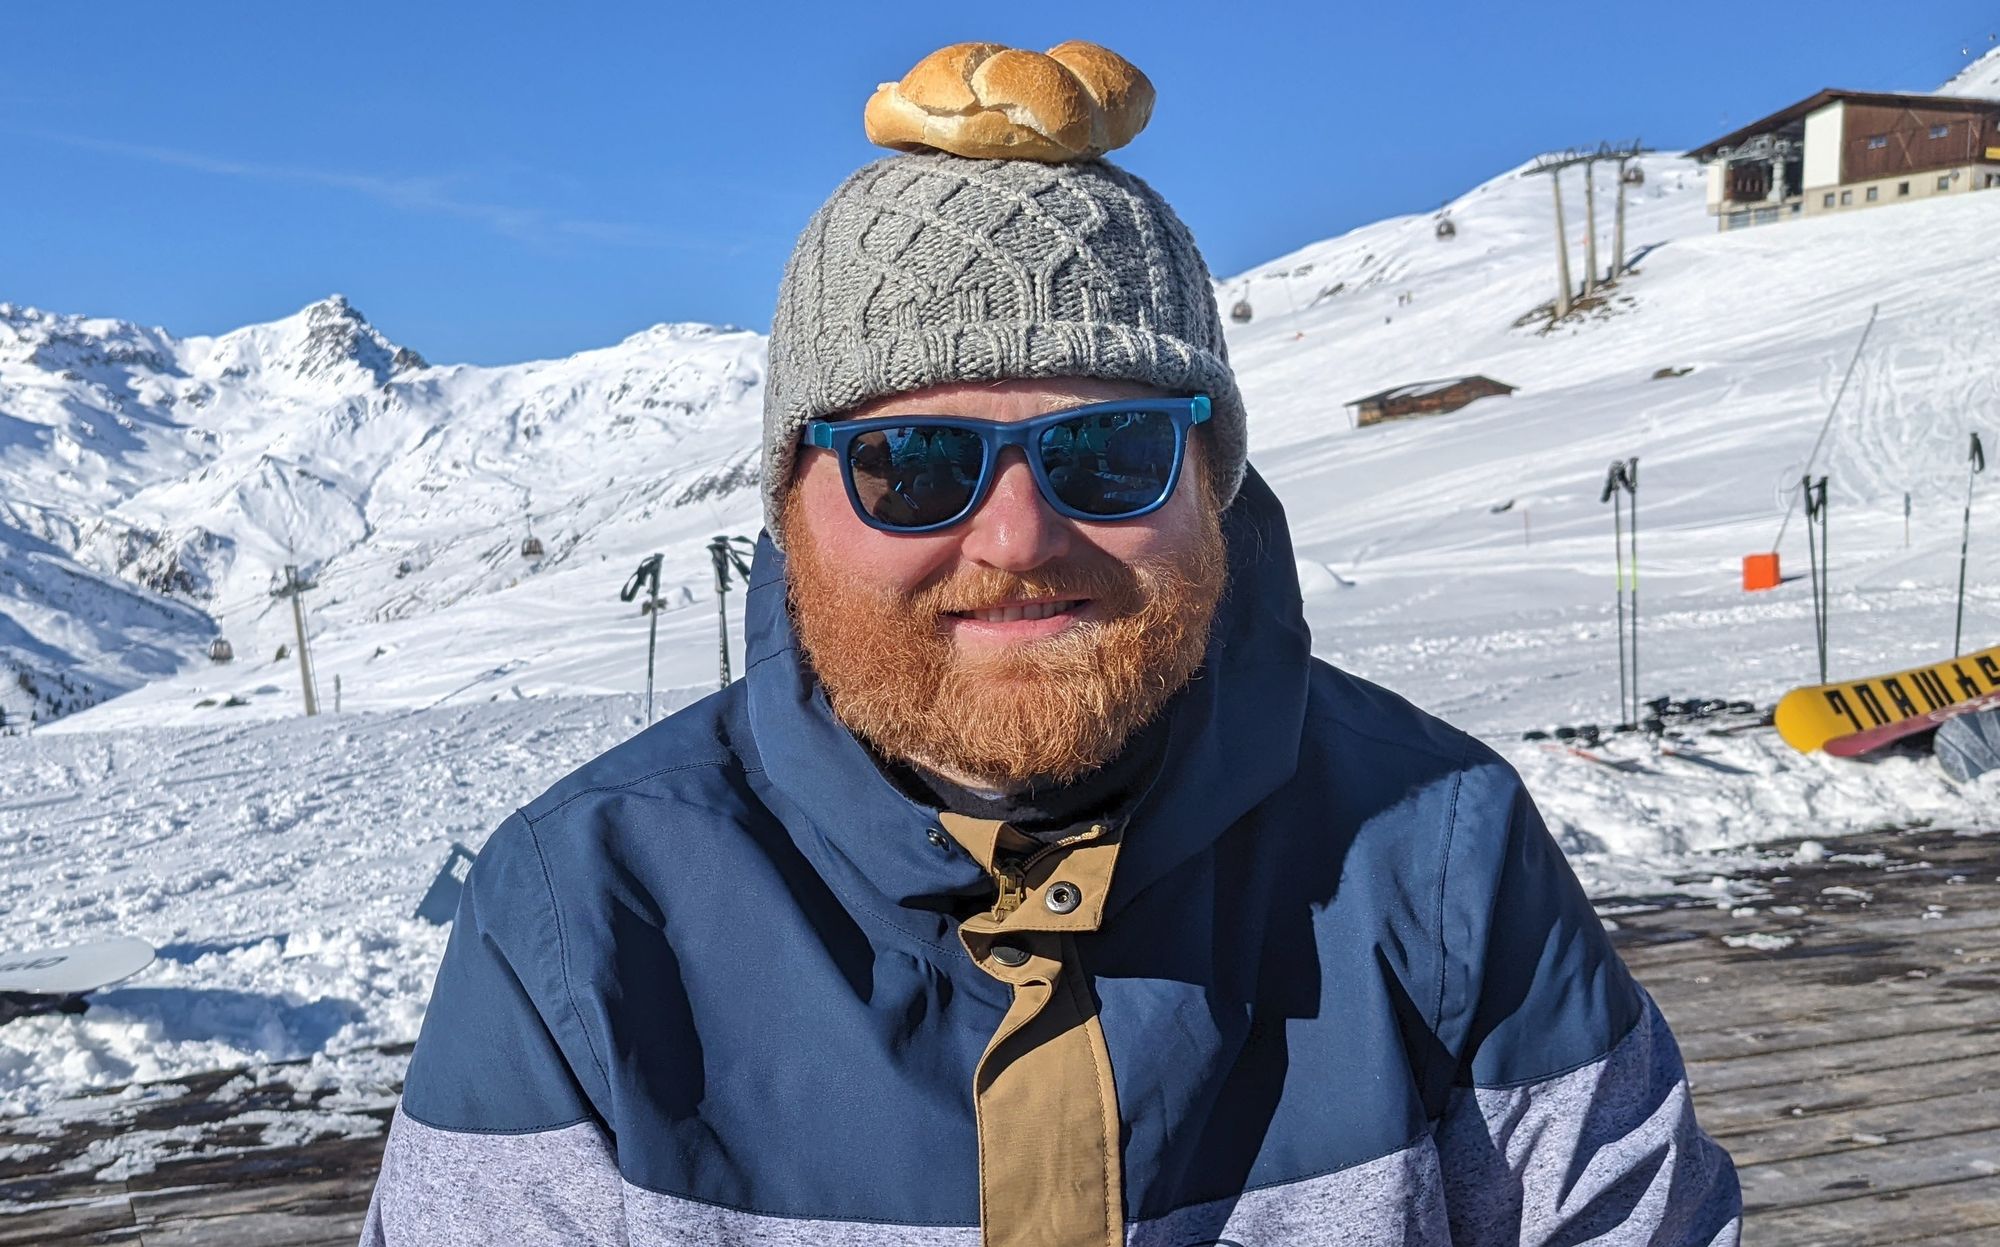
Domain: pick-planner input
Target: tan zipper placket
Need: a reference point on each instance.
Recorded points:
(1047, 1110)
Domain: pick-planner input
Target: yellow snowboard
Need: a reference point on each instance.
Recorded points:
(1855, 716)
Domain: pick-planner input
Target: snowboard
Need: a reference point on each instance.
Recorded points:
(74, 970)
(1854, 717)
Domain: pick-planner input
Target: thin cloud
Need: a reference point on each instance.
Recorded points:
(433, 196)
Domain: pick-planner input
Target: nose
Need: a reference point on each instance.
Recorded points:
(1014, 529)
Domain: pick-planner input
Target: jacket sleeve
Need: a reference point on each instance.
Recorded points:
(496, 1139)
(1571, 1120)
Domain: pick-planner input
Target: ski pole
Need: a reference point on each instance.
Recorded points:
(648, 574)
(1632, 487)
(727, 553)
(1977, 464)
(1613, 496)
(1816, 551)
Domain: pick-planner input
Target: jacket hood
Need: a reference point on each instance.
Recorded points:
(1233, 738)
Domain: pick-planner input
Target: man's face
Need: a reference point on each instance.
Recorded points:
(1017, 644)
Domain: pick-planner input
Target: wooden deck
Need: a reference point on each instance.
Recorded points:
(1854, 1073)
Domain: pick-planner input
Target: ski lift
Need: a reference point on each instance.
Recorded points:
(531, 548)
(1241, 312)
(219, 650)
(1634, 176)
(1445, 229)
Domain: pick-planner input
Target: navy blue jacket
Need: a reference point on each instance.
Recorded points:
(710, 987)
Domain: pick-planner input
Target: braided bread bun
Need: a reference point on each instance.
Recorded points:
(993, 102)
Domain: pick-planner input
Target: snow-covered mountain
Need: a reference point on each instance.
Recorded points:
(155, 488)
(1981, 78)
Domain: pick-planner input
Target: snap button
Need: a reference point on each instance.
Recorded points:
(937, 838)
(1062, 898)
(1010, 955)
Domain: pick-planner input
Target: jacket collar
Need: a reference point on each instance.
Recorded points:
(1233, 739)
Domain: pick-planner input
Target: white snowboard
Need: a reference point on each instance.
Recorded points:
(73, 970)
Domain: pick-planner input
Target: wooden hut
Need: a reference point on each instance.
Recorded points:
(1425, 398)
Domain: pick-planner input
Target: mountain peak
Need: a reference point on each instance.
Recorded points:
(326, 341)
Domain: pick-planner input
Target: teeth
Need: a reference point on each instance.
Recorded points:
(1016, 614)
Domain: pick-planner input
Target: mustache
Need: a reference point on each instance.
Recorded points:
(1116, 586)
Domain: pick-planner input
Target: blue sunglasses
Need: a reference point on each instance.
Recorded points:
(1107, 461)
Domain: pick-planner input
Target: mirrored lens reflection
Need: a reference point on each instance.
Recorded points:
(915, 475)
(1112, 463)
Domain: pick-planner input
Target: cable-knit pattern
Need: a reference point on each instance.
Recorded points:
(928, 268)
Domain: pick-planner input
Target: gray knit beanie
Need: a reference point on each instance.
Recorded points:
(928, 268)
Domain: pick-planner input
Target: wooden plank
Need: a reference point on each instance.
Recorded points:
(1966, 929)
(108, 1221)
(1872, 1125)
(1966, 1211)
(1942, 1051)
(1787, 1000)
(347, 1194)
(1834, 1024)
(1983, 1236)
(1967, 923)
(291, 1228)
(1733, 1112)
(1841, 1176)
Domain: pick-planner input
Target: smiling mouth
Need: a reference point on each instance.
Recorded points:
(1018, 612)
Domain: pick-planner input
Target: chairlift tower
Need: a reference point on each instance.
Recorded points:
(295, 589)
(1590, 222)
(1553, 165)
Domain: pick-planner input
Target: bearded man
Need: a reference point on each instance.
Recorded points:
(1036, 886)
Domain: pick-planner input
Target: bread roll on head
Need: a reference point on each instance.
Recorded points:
(989, 101)
(996, 136)
(1123, 94)
(893, 121)
(942, 81)
(1038, 94)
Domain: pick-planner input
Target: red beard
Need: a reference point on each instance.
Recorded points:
(1046, 710)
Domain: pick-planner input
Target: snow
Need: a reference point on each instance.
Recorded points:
(1980, 79)
(155, 488)
(276, 866)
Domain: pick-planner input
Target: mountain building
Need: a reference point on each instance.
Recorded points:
(1425, 398)
(1837, 151)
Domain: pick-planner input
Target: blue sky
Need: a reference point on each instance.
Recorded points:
(504, 181)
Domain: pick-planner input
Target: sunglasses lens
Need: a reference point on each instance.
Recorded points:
(915, 475)
(1112, 463)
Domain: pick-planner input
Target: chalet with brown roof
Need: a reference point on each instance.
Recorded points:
(1425, 398)
(1837, 151)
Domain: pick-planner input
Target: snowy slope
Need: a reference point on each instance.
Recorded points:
(1397, 526)
(1981, 78)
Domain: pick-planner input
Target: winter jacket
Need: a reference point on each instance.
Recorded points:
(1328, 980)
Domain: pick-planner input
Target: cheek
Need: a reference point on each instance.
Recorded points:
(881, 560)
(1173, 528)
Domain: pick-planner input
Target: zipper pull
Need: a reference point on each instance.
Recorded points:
(1013, 886)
